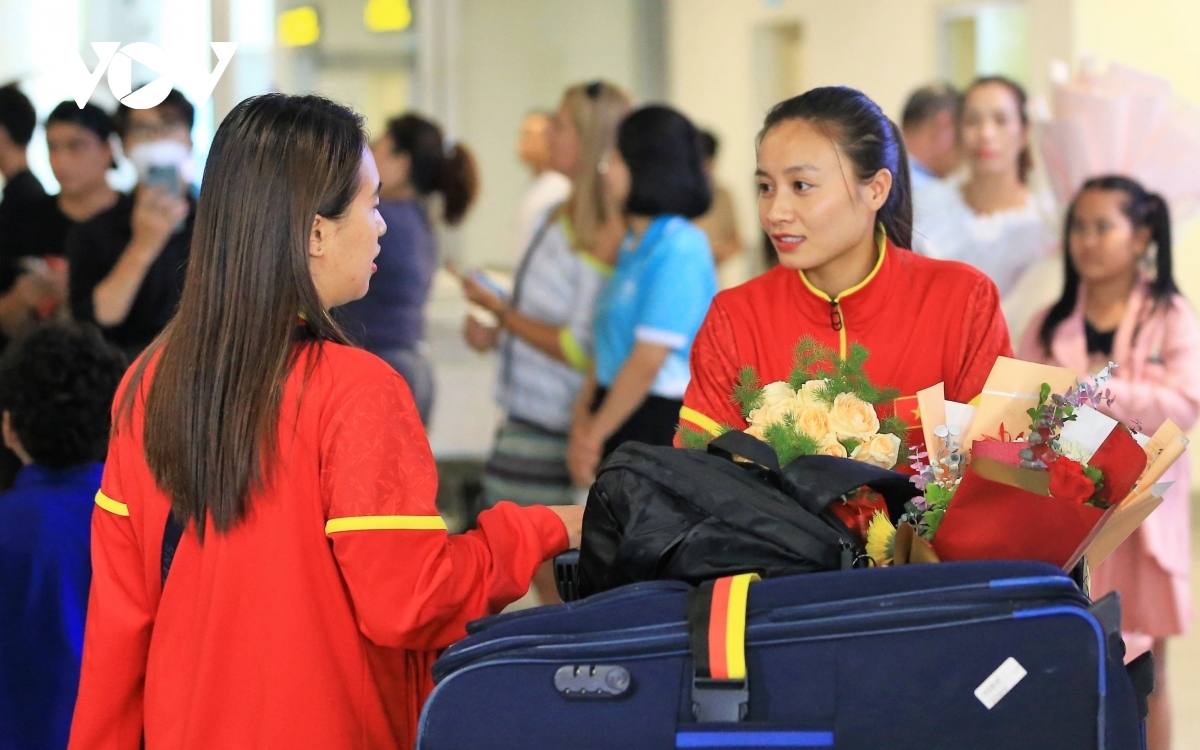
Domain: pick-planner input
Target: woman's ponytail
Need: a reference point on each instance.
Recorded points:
(458, 182)
(436, 167)
(897, 213)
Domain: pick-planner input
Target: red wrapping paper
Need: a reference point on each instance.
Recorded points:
(857, 511)
(988, 520)
(1122, 460)
(1007, 453)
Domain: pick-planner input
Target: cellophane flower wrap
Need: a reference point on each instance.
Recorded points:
(1036, 474)
(828, 407)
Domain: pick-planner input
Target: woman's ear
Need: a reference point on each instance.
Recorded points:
(877, 189)
(321, 228)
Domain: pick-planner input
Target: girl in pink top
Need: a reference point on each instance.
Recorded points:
(1120, 303)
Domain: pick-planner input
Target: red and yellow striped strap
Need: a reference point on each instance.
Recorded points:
(717, 612)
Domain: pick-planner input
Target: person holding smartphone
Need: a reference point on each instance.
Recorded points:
(128, 263)
(33, 269)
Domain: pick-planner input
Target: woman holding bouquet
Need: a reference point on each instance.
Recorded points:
(1120, 303)
(314, 583)
(834, 198)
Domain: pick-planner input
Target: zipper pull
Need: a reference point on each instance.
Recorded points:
(835, 315)
(848, 558)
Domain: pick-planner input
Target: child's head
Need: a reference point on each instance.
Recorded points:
(1110, 227)
(56, 391)
(1114, 229)
(831, 166)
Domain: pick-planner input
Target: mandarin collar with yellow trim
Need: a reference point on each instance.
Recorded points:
(861, 302)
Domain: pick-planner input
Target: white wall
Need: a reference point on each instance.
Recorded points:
(517, 55)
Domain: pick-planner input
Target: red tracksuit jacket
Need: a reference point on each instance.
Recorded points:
(924, 321)
(314, 622)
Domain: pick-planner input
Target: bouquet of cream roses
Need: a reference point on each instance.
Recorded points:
(826, 407)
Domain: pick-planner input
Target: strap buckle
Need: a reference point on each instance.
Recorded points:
(719, 700)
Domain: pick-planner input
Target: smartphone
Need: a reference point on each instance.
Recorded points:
(33, 265)
(486, 281)
(165, 175)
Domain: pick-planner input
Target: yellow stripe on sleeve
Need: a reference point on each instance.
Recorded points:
(112, 506)
(707, 424)
(576, 356)
(735, 629)
(375, 523)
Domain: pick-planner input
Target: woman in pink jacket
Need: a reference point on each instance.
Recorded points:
(1120, 303)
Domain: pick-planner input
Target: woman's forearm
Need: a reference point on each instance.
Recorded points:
(113, 297)
(541, 336)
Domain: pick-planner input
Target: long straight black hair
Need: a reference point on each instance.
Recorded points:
(1144, 209)
(864, 134)
(212, 405)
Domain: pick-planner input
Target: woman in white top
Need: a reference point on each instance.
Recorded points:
(544, 336)
(988, 217)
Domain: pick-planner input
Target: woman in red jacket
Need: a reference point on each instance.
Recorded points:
(315, 582)
(834, 197)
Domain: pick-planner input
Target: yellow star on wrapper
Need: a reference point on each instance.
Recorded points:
(881, 539)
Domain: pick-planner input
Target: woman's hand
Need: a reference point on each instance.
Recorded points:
(480, 337)
(480, 295)
(583, 454)
(572, 518)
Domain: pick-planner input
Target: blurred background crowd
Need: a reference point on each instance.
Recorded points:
(492, 122)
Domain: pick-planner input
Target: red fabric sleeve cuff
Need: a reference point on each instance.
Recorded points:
(552, 530)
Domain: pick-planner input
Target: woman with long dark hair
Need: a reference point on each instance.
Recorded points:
(1120, 303)
(664, 281)
(987, 217)
(313, 583)
(414, 164)
(834, 199)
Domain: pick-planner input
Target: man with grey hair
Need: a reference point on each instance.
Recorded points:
(929, 125)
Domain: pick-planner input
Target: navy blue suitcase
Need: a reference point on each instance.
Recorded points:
(957, 655)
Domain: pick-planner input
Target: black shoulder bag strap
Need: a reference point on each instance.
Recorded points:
(518, 287)
(172, 532)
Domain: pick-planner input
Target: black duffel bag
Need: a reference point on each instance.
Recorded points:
(657, 513)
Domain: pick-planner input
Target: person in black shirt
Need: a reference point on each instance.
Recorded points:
(128, 263)
(17, 120)
(33, 269)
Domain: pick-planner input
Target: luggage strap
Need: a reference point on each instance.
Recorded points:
(716, 612)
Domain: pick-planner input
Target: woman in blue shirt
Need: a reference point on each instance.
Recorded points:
(659, 293)
(414, 163)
